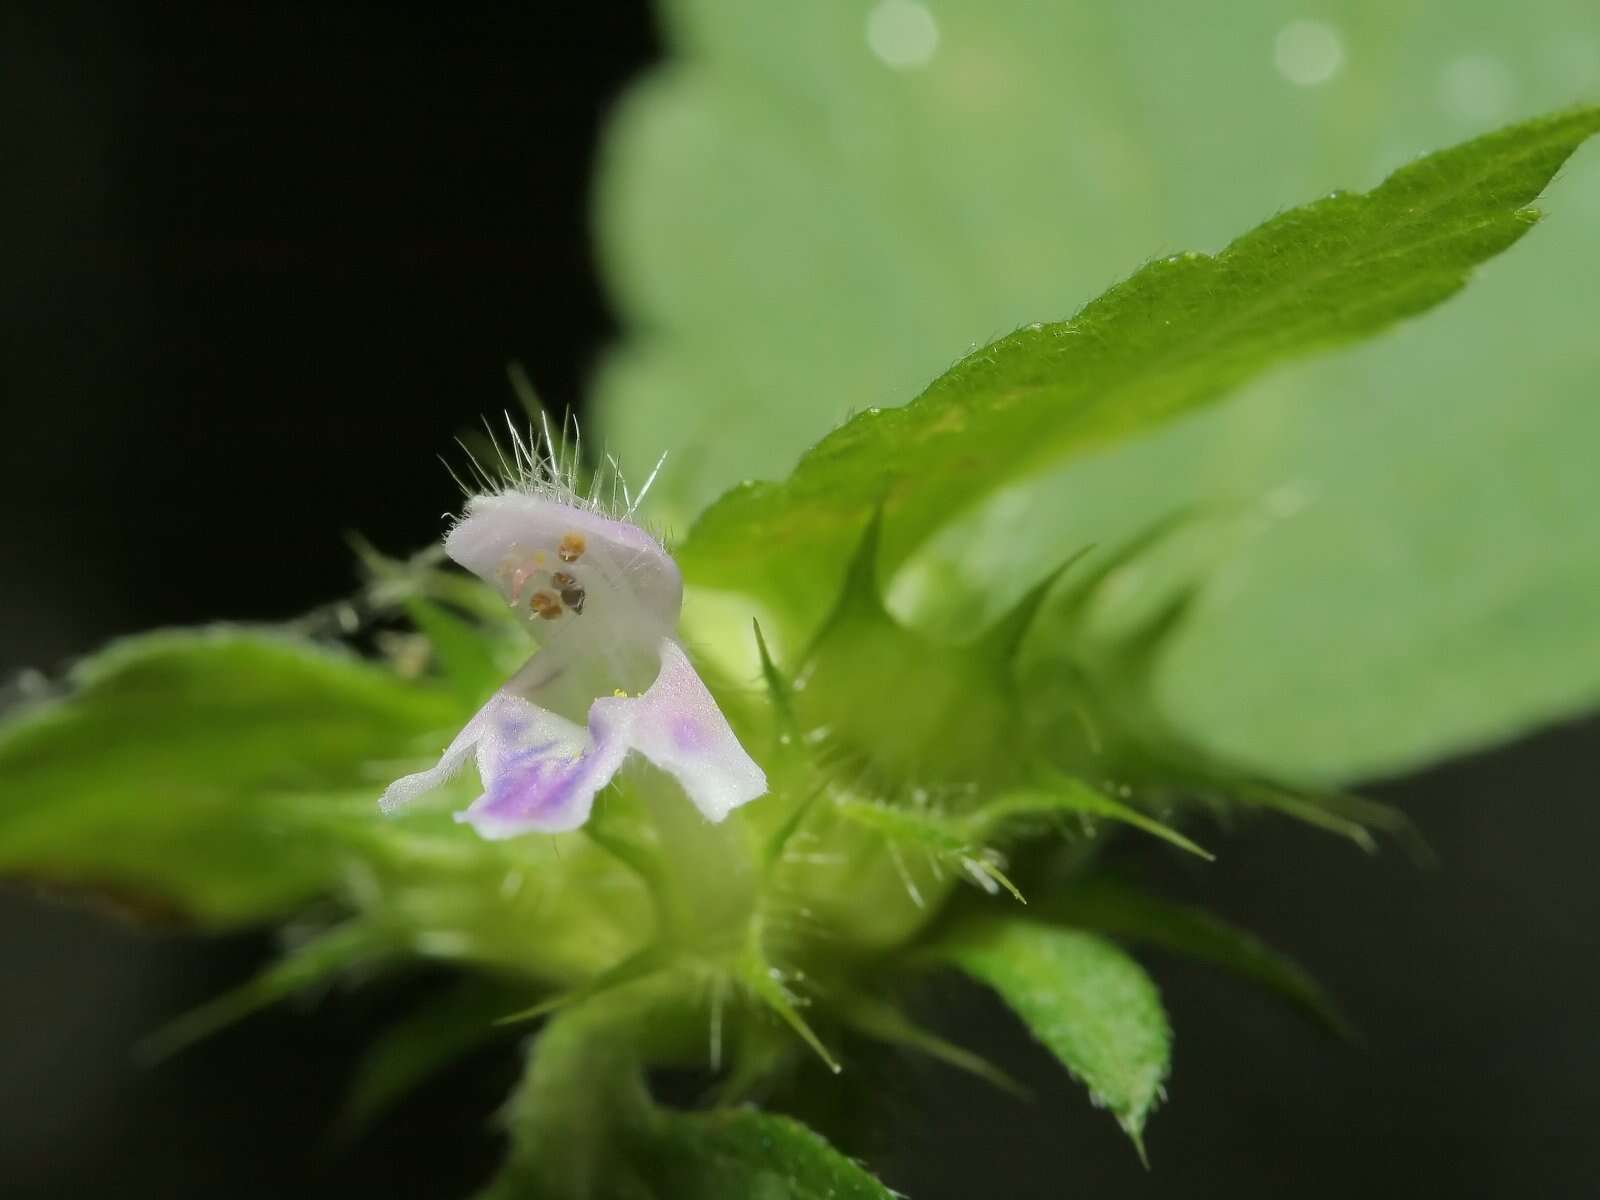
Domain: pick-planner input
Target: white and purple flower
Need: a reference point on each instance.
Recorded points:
(609, 678)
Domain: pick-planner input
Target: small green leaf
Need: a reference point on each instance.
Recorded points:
(746, 1153)
(1126, 912)
(1091, 1005)
(200, 768)
(1175, 337)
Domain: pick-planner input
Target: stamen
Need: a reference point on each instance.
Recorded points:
(519, 580)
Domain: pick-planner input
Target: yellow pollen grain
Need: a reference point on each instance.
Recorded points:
(545, 605)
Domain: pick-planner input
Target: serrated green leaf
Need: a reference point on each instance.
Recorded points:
(1176, 336)
(1136, 915)
(1091, 1005)
(796, 230)
(747, 1153)
(197, 768)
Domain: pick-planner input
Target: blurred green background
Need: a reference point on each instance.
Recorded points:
(814, 209)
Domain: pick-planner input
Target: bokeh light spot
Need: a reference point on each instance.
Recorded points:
(1477, 88)
(1308, 53)
(902, 33)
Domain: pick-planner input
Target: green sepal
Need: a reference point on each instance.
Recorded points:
(648, 961)
(778, 688)
(351, 945)
(1002, 641)
(406, 1053)
(858, 599)
(1055, 794)
(886, 700)
(948, 839)
(758, 975)
(874, 1016)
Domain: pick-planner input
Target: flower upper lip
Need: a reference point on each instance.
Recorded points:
(518, 543)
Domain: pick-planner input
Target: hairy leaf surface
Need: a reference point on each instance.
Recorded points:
(1091, 1005)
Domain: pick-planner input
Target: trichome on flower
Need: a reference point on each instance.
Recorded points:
(603, 597)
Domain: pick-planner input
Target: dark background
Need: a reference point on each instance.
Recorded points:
(261, 264)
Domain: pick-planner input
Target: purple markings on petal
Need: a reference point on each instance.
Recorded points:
(537, 793)
(710, 764)
(688, 734)
(540, 772)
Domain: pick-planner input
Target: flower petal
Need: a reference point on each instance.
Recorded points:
(406, 789)
(677, 726)
(540, 771)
